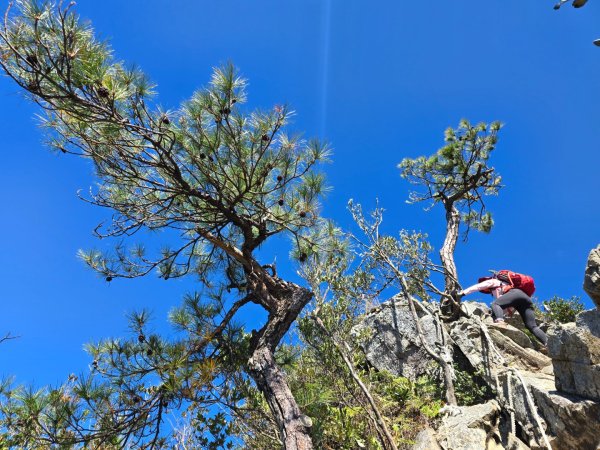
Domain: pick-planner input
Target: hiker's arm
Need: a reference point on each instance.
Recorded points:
(487, 284)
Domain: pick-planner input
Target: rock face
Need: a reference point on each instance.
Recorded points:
(470, 341)
(472, 429)
(513, 333)
(575, 352)
(591, 281)
(394, 345)
(426, 440)
(468, 338)
(573, 423)
(523, 358)
(570, 422)
(563, 412)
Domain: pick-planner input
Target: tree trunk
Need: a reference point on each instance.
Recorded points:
(447, 250)
(447, 257)
(294, 427)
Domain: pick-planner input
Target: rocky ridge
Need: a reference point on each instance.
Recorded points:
(541, 402)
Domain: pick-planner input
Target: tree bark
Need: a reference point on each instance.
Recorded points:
(450, 305)
(294, 427)
(447, 250)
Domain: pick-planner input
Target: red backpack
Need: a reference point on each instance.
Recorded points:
(515, 280)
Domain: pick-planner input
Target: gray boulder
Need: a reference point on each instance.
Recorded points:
(574, 422)
(471, 343)
(516, 321)
(570, 422)
(477, 427)
(556, 411)
(514, 345)
(513, 333)
(393, 343)
(591, 280)
(473, 429)
(513, 396)
(575, 352)
(478, 309)
(426, 440)
(515, 355)
(565, 413)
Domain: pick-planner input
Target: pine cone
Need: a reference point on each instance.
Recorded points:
(31, 60)
(103, 92)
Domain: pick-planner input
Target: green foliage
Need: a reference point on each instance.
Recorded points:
(471, 389)
(133, 383)
(339, 412)
(211, 432)
(319, 376)
(459, 177)
(216, 177)
(222, 180)
(558, 309)
(391, 261)
(458, 174)
(422, 396)
(211, 170)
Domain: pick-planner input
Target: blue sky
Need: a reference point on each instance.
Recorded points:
(380, 80)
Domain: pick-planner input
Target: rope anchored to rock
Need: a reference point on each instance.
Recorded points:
(510, 407)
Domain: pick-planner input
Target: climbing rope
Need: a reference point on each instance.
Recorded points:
(533, 408)
(528, 397)
(499, 392)
(509, 393)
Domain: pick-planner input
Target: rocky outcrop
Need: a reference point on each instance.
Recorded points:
(470, 342)
(569, 422)
(575, 352)
(513, 333)
(394, 345)
(591, 280)
(523, 358)
(469, 338)
(516, 396)
(474, 428)
(564, 415)
(517, 322)
(573, 423)
(426, 440)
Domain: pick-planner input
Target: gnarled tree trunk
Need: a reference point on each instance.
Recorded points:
(294, 427)
(447, 250)
(447, 256)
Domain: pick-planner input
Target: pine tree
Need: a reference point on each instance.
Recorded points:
(221, 179)
(457, 176)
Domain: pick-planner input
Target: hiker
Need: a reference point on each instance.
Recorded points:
(507, 299)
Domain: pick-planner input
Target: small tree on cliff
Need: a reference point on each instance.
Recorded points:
(220, 179)
(457, 176)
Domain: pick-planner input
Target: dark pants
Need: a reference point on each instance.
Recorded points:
(523, 304)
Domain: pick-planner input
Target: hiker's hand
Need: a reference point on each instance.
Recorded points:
(457, 295)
